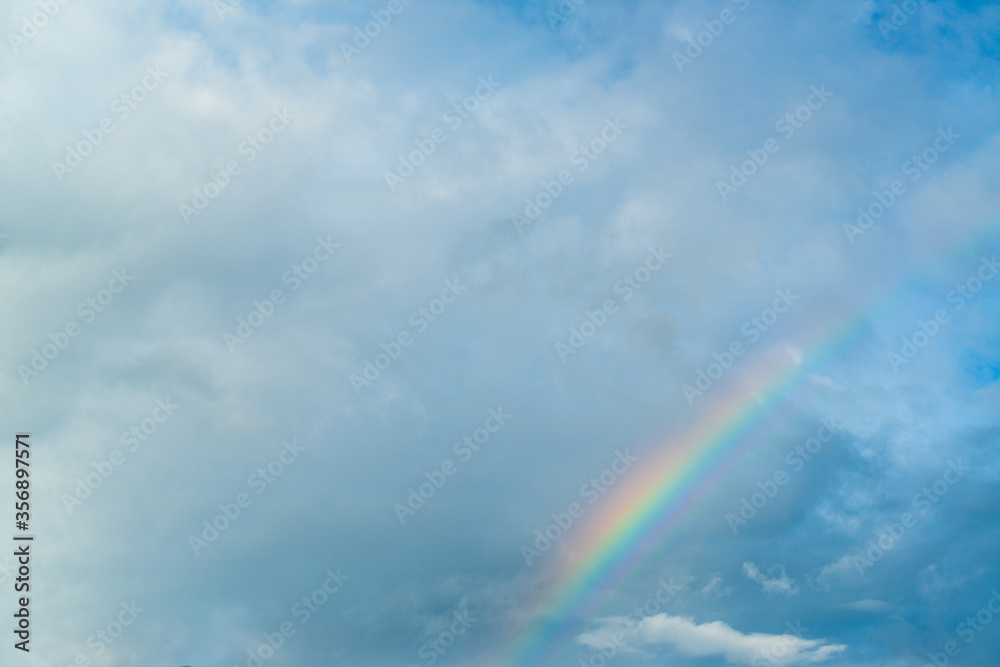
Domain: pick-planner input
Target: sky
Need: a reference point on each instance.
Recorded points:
(348, 348)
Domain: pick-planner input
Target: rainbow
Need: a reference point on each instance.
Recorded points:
(661, 495)
(659, 498)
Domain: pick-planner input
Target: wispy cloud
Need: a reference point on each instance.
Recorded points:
(780, 584)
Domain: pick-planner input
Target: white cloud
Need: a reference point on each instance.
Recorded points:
(714, 587)
(716, 638)
(782, 584)
(842, 567)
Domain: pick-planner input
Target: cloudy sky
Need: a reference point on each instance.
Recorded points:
(321, 314)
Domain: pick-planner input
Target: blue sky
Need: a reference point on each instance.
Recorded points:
(241, 194)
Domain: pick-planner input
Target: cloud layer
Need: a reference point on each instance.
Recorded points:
(277, 270)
